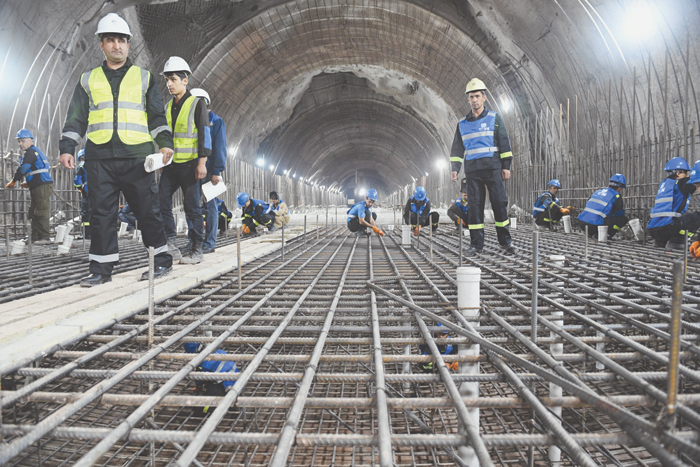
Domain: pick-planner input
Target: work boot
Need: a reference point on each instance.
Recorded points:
(207, 250)
(194, 256)
(95, 279)
(158, 272)
(659, 244)
(173, 249)
(473, 251)
(271, 228)
(510, 248)
(186, 248)
(675, 246)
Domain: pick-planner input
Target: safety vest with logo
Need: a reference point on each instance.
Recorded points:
(463, 207)
(129, 109)
(539, 206)
(185, 134)
(278, 206)
(250, 210)
(40, 167)
(358, 210)
(415, 209)
(599, 206)
(669, 204)
(478, 136)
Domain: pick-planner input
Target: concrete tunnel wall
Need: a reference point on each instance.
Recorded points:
(324, 89)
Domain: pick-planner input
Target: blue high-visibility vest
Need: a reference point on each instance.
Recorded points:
(420, 210)
(464, 207)
(40, 167)
(599, 206)
(669, 204)
(539, 206)
(278, 205)
(478, 136)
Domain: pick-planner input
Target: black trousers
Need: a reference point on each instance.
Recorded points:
(456, 215)
(675, 231)
(478, 182)
(355, 226)
(85, 213)
(265, 220)
(107, 179)
(413, 219)
(614, 223)
(181, 176)
(549, 217)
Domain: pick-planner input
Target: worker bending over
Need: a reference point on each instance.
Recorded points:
(605, 207)
(280, 209)
(255, 213)
(211, 388)
(547, 210)
(444, 349)
(669, 221)
(417, 212)
(459, 210)
(360, 215)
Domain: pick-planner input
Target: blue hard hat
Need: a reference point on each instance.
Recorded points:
(419, 193)
(191, 347)
(242, 198)
(81, 154)
(554, 182)
(677, 163)
(372, 194)
(24, 133)
(695, 173)
(619, 179)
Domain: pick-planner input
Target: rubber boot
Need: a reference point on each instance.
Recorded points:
(173, 249)
(194, 256)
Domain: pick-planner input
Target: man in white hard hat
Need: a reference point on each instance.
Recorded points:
(481, 140)
(188, 119)
(120, 109)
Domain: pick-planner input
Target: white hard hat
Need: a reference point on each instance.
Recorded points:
(113, 23)
(475, 85)
(199, 92)
(176, 64)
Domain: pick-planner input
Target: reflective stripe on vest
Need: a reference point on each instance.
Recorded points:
(185, 134)
(132, 120)
(668, 204)
(539, 204)
(414, 208)
(41, 166)
(40, 171)
(599, 206)
(478, 136)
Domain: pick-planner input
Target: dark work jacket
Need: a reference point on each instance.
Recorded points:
(501, 140)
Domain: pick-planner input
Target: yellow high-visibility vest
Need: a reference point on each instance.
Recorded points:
(185, 134)
(130, 114)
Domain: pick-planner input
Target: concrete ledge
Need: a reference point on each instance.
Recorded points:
(39, 322)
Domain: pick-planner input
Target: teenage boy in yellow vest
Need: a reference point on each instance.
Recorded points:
(188, 118)
(120, 108)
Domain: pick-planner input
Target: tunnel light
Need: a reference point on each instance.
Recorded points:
(295, 175)
(426, 174)
(272, 166)
(260, 162)
(285, 172)
(362, 192)
(506, 105)
(639, 23)
(441, 163)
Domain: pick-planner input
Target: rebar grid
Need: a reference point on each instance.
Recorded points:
(610, 315)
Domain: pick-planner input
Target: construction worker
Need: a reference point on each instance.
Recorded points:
(280, 208)
(695, 180)
(669, 221)
(126, 215)
(216, 164)
(34, 169)
(225, 215)
(120, 108)
(255, 213)
(188, 119)
(481, 140)
(80, 182)
(211, 388)
(605, 207)
(547, 210)
(459, 210)
(360, 215)
(444, 349)
(417, 212)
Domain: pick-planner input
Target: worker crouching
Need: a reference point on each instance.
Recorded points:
(360, 215)
(605, 207)
(254, 214)
(211, 388)
(547, 210)
(417, 212)
(459, 211)
(280, 209)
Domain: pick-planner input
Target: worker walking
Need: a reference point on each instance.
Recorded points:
(34, 169)
(360, 215)
(605, 207)
(481, 140)
(669, 218)
(417, 212)
(216, 165)
(280, 208)
(255, 213)
(80, 182)
(188, 119)
(459, 210)
(120, 108)
(547, 210)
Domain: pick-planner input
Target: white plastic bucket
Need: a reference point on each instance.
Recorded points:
(558, 260)
(17, 247)
(513, 223)
(62, 250)
(602, 233)
(68, 241)
(122, 228)
(390, 227)
(636, 227)
(69, 227)
(406, 235)
(566, 220)
(60, 233)
(137, 235)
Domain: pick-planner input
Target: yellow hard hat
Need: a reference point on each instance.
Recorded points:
(475, 85)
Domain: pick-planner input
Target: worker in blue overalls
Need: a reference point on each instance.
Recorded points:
(360, 215)
(444, 349)
(255, 213)
(459, 210)
(669, 221)
(547, 210)
(34, 168)
(211, 388)
(605, 207)
(80, 182)
(417, 212)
